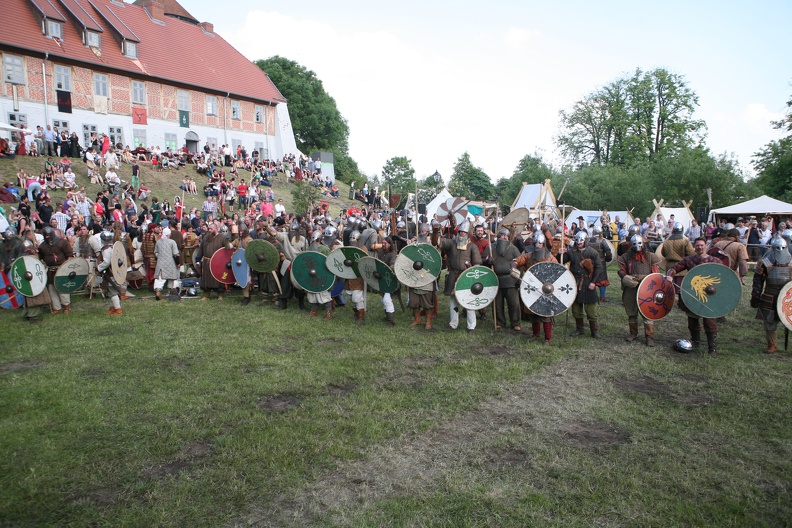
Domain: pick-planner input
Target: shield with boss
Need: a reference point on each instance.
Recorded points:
(452, 207)
(343, 262)
(220, 266)
(10, 297)
(378, 275)
(548, 289)
(711, 290)
(262, 256)
(71, 275)
(476, 288)
(240, 268)
(418, 265)
(784, 305)
(655, 296)
(309, 271)
(29, 275)
(119, 262)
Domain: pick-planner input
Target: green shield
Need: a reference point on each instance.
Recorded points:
(343, 262)
(418, 265)
(711, 290)
(29, 275)
(309, 270)
(476, 288)
(262, 256)
(378, 275)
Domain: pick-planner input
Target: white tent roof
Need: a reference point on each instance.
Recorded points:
(431, 207)
(681, 215)
(594, 217)
(535, 197)
(758, 206)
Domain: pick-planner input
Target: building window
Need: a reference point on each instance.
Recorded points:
(170, 141)
(63, 78)
(138, 92)
(17, 119)
(88, 132)
(259, 114)
(14, 69)
(183, 100)
(261, 152)
(54, 29)
(236, 110)
(130, 49)
(60, 124)
(116, 135)
(92, 39)
(211, 105)
(139, 137)
(101, 85)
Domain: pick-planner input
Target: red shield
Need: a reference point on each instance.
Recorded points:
(220, 266)
(655, 296)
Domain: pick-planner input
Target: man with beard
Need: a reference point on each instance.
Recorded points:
(587, 267)
(539, 253)
(729, 243)
(89, 248)
(675, 249)
(423, 300)
(54, 252)
(634, 266)
(109, 285)
(504, 254)
(210, 243)
(481, 240)
(149, 239)
(771, 273)
(694, 325)
(461, 256)
(167, 271)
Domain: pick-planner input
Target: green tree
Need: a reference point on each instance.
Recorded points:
(470, 181)
(773, 163)
(316, 120)
(304, 196)
(530, 169)
(398, 175)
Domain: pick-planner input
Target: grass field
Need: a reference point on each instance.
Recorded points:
(213, 414)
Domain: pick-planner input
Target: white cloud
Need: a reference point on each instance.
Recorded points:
(757, 118)
(516, 37)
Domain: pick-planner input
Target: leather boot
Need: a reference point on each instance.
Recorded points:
(712, 344)
(389, 318)
(282, 304)
(158, 295)
(633, 333)
(313, 313)
(771, 337)
(205, 296)
(428, 320)
(416, 318)
(173, 296)
(356, 314)
(245, 301)
(649, 333)
(548, 331)
(301, 302)
(594, 326)
(328, 315)
(578, 328)
(536, 329)
(694, 326)
(361, 317)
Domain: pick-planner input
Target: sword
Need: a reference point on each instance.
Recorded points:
(401, 303)
(786, 338)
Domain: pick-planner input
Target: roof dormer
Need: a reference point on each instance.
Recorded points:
(49, 17)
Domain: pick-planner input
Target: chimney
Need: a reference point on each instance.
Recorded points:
(208, 27)
(155, 10)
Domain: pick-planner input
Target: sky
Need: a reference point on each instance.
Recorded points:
(432, 80)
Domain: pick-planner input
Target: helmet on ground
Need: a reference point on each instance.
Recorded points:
(683, 345)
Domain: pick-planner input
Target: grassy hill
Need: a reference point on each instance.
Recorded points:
(163, 184)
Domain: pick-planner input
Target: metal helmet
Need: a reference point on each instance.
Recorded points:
(505, 232)
(354, 235)
(633, 230)
(597, 231)
(10, 231)
(677, 229)
(400, 224)
(424, 229)
(376, 224)
(106, 237)
(330, 235)
(27, 244)
(539, 238)
(316, 235)
(410, 214)
(191, 292)
(637, 243)
(786, 234)
(464, 226)
(49, 234)
(683, 345)
(728, 226)
(580, 239)
(779, 244)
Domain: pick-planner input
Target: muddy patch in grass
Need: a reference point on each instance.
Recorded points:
(20, 365)
(643, 385)
(508, 458)
(595, 434)
(693, 378)
(696, 400)
(330, 341)
(100, 497)
(190, 455)
(340, 389)
(279, 402)
(403, 379)
(420, 362)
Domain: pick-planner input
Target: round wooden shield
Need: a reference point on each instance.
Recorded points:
(784, 305)
(455, 206)
(476, 288)
(720, 254)
(378, 275)
(418, 265)
(548, 289)
(655, 296)
(262, 256)
(240, 268)
(711, 290)
(10, 297)
(663, 265)
(29, 275)
(220, 266)
(119, 263)
(71, 275)
(343, 262)
(309, 270)
(517, 217)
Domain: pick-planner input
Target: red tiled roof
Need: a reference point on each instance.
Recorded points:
(48, 9)
(170, 50)
(173, 8)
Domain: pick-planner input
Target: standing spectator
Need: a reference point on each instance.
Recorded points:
(280, 209)
(49, 138)
(754, 241)
(694, 231)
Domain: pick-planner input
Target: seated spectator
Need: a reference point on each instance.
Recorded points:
(65, 163)
(334, 191)
(110, 159)
(69, 179)
(126, 156)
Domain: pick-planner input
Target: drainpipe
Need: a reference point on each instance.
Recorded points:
(44, 73)
(266, 129)
(225, 118)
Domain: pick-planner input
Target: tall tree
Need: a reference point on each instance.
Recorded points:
(631, 119)
(773, 163)
(399, 175)
(470, 181)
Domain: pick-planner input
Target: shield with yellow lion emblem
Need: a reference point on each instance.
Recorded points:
(711, 290)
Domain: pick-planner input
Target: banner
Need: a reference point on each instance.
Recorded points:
(64, 101)
(100, 104)
(139, 116)
(184, 118)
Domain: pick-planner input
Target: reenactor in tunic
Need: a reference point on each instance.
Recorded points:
(462, 254)
(771, 273)
(675, 249)
(210, 243)
(54, 252)
(423, 300)
(538, 253)
(634, 266)
(587, 267)
(104, 267)
(504, 255)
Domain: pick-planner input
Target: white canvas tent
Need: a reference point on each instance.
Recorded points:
(593, 217)
(539, 199)
(682, 215)
(758, 207)
(431, 207)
